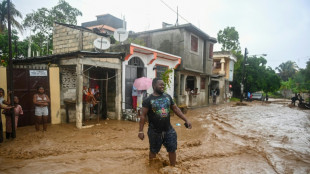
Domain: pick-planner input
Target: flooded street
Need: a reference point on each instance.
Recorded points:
(257, 138)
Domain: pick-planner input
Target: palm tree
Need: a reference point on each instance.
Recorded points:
(4, 16)
(287, 70)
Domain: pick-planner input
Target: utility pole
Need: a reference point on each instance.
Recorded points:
(11, 89)
(243, 67)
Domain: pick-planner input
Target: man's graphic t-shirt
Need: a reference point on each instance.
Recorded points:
(159, 111)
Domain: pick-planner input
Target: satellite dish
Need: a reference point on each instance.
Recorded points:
(120, 34)
(102, 43)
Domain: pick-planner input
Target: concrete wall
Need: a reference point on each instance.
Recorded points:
(192, 60)
(178, 42)
(55, 94)
(68, 90)
(208, 64)
(66, 39)
(150, 72)
(191, 100)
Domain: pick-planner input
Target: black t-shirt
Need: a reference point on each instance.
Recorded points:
(159, 111)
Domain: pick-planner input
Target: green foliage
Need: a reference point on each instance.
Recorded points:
(14, 13)
(237, 73)
(229, 38)
(235, 99)
(4, 40)
(287, 70)
(260, 78)
(41, 24)
(299, 82)
(166, 78)
(22, 46)
(257, 76)
(42, 20)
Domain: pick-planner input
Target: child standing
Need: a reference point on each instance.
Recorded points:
(17, 112)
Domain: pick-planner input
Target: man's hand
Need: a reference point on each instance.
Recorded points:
(141, 135)
(189, 124)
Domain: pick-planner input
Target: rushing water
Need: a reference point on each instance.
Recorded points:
(256, 138)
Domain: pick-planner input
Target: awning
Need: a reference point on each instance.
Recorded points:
(134, 48)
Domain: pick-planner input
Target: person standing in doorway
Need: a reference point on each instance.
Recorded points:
(160, 132)
(214, 93)
(41, 102)
(134, 94)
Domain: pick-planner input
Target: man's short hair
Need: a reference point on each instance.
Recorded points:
(155, 81)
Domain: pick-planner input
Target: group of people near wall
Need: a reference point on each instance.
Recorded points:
(92, 97)
(41, 102)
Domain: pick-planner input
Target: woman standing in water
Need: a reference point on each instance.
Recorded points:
(41, 101)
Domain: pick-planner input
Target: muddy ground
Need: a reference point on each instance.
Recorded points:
(257, 138)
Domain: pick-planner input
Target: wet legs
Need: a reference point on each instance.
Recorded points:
(172, 157)
(45, 123)
(38, 122)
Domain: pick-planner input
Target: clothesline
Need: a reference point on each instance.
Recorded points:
(99, 79)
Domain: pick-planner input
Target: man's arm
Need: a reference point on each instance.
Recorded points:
(179, 113)
(142, 122)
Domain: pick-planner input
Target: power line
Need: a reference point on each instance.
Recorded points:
(174, 11)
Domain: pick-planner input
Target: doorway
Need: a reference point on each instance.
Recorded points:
(135, 69)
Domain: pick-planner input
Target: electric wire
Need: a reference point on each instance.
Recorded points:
(174, 11)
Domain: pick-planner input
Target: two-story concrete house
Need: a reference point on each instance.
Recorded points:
(193, 76)
(223, 72)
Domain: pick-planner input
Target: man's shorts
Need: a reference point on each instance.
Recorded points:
(168, 139)
(41, 111)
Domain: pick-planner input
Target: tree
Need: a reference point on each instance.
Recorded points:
(229, 38)
(272, 81)
(287, 70)
(302, 79)
(22, 46)
(41, 22)
(260, 78)
(14, 13)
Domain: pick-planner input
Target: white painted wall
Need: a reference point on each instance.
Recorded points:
(150, 72)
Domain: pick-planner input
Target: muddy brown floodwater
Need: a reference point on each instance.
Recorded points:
(257, 138)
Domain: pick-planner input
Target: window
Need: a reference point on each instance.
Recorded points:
(203, 83)
(136, 61)
(160, 69)
(190, 83)
(211, 51)
(194, 43)
(217, 64)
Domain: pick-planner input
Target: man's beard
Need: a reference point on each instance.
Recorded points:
(158, 91)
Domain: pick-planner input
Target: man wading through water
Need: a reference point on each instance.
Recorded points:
(160, 132)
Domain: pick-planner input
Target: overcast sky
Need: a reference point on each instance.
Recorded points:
(278, 28)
